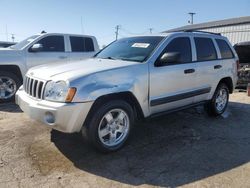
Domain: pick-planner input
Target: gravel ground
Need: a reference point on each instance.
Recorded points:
(187, 149)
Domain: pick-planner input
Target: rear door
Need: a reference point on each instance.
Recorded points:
(81, 47)
(53, 50)
(173, 85)
(209, 67)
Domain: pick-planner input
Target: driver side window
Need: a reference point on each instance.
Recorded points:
(52, 44)
(182, 46)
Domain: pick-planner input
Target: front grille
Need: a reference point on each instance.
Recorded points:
(34, 87)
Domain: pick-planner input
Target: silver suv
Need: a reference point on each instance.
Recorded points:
(132, 78)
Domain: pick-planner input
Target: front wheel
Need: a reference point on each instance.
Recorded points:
(9, 84)
(109, 126)
(219, 102)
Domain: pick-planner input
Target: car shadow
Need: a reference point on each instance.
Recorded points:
(171, 150)
(10, 107)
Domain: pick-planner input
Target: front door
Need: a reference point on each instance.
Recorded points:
(52, 50)
(173, 85)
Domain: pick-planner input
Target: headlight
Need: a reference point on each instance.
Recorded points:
(58, 92)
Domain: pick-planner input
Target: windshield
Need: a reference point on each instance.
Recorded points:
(23, 43)
(131, 49)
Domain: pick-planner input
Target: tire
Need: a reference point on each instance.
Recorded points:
(109, 126)
(9, 84)
(218, 104)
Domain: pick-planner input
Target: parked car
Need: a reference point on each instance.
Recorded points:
(37, 50)
(4, 44)
(133, 78)
(243, 51)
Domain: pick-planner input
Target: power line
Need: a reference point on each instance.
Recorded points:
(132, 33)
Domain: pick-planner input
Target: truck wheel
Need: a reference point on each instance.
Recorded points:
(109, 126)
(9, 84)
(219, 102)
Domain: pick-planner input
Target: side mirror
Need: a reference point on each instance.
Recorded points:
(36, 48)
(168, 58)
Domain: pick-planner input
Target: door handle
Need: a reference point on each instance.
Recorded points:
(189, 71)
(217, 66)
(62, 57)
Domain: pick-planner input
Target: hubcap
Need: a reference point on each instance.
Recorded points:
(7, 87)
(114, 127)
(221, 100)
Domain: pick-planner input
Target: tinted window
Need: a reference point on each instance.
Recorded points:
(131, 49)
(225, 50)
(205, 49)
(81, 44)
(52, 44)
(181, 45)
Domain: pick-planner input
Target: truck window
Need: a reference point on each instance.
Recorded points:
(225, 50)
(81, 44)
(181, 45)
(205, 49)
(52, 44)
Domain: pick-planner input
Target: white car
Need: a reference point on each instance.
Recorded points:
(37, 50)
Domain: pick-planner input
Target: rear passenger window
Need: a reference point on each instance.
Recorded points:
(225, 50)
(205, 49)
(181, 45)
(81, 44)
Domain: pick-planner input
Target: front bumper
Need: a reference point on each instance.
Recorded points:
(65, 117)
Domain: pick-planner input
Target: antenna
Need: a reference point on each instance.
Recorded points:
(82, 26)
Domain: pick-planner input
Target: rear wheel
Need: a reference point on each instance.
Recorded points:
(219, 102)
(9, 84)
(109, 127)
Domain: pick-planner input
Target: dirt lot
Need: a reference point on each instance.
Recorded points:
(186, 149)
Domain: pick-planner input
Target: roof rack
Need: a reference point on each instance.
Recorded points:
(201, 32)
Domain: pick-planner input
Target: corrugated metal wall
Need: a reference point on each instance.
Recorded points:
(234, 33)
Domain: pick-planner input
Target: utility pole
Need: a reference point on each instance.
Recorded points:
(150, 30)
(82, 26)
(13, 37)
(117, 31)
(192, 17)
(6, 32)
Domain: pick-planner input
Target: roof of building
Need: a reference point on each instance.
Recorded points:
(219, 23)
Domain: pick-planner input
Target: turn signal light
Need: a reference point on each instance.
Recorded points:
(71, 94)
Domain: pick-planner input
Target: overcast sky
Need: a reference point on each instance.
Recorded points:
(99, 17)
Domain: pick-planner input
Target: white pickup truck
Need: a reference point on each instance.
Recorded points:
(37, 50)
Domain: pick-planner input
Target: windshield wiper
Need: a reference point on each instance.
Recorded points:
(109, 58)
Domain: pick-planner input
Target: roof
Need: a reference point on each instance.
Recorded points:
(219, 23)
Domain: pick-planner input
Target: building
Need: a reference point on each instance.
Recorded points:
(4, 44)
(235, 29)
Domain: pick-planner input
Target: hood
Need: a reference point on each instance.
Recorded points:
(72, 70)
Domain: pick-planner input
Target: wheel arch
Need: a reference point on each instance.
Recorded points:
(126, 96)
(13, 69)
(229, 82)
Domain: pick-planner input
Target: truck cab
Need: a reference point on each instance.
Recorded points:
(38, 50)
